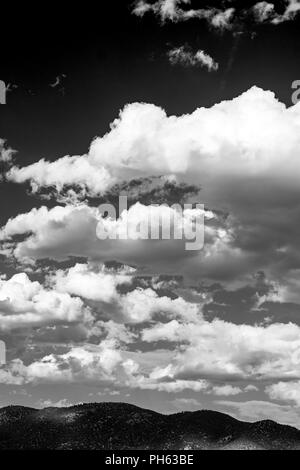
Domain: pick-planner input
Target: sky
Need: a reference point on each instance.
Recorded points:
(166, 101)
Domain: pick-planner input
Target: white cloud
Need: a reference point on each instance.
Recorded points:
(75, 170)
(141, 7)
(291, 11)
(205, 353)
(207, 142)
(226, 18)
(141, 305)
(233, 139)
(63, 403)
(61, 232)
(251, 388)
(225, 350)
(230, 149)
(13, 374)
(263, 11)
(285, 391)
(105, 363)
(88, 363)
(54, 233)
(185, 57)
(6, 153)
(91, 282)
(226, 390)
(171, 10)
(222, 20)
(27, 303)
(136, 306)
(209, 357)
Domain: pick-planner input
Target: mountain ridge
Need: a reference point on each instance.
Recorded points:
(122, 426)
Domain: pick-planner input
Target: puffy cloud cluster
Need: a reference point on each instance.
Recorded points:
(141, 305)
(68, 170)
(52, 233)
(96, 324)
(266, 12)
(91, 283)
(62, 232)
(285, 391)
(225, 350)
(230, 149)
(183, 56)
(24, 303)
(242, 162)
(87, 363)
(188, 352)
(232, 140)
(138, 305)
(203, 361)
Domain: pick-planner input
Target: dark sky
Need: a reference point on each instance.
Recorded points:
(112, 58)
(105, 58)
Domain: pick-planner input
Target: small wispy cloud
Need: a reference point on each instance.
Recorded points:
(185, 57)
(58, 83)
(11, 87)
(6, 153)
(58, 80)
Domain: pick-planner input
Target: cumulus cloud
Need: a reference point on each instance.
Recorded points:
(185, 57)
(63, 232)
(52, 233)
(200, 359)
(26, 303)
(105, 363)
(209, 141)
(232, 139)
(285, 391)
(198, 355)
(230, 149)
(64, 171)
(263, 11)
(88, 363)
(154, 335)
(79, 364)
(141, 305)
(91, 282)
(138, 305)
(225, 350)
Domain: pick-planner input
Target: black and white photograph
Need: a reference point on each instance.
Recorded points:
(150, 228)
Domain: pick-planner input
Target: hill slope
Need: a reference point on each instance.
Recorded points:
(122, 426)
